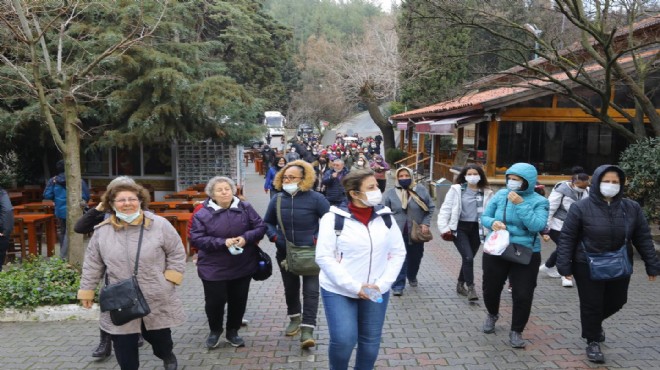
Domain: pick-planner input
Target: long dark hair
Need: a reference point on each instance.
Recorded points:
(579, 174)
(483, 181)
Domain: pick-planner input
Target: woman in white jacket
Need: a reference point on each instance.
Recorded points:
(359, 248)
(459, 220)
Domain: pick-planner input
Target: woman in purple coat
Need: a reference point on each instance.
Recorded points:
(226, 231)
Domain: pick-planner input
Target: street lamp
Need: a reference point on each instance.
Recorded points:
(531, 28)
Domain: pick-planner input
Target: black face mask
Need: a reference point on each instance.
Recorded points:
(321, 161)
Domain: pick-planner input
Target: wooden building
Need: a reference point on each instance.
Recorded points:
(523, 122)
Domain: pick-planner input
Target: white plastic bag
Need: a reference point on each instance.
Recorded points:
(496, 242)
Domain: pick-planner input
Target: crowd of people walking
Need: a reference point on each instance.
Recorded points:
(344, 238)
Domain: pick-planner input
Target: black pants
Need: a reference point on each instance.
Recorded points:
(234, 293)
(310, 293)
(598, 300)
(552, 260)
(381, 184)
(521, 277)
(467, 242)
(126, 346)
(4, 246)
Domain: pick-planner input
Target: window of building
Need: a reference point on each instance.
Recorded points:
(140, 161)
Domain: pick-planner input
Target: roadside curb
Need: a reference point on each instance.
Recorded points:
(51, 313)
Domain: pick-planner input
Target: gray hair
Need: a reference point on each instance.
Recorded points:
(217, 180)
(338, 160)
(121, 180)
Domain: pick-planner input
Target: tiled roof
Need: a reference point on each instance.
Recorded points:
(480, 100)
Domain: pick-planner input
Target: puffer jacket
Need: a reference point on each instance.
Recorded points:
(525, 220)
(561, 199)
(301, 211)
(212, 227)
(404, 218)
(362, 254)
(56, 191)
(112, 251)
(601, 227)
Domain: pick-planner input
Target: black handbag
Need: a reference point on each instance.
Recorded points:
(610, 265)
(264, 265)
(517, 253)
(124, 299)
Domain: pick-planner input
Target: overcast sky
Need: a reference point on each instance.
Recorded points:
(386, 4)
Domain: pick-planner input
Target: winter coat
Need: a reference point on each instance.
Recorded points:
(212, 227)
(380, 167)
(112, 250)
(361, 254)
(334, 191)
(450, 211)
(404, 218)
(6, 214)
(561, 199)
(270, 175)
(301, 212)
(56, 191)
(525, 220)
(601, 227)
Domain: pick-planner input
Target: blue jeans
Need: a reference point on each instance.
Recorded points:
(410, 267)
(351, 321)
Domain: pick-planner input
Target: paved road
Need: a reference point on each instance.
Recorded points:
(429, 327)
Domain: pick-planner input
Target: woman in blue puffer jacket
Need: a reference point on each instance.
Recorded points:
(526, 216)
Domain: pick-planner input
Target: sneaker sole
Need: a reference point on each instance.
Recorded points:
(217, 343)
(292, 333)
(308, 343)
(519, 346)
(235, 345)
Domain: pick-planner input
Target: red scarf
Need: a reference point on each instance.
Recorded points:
(361, 214)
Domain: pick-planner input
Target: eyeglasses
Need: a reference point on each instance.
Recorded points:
(291, 178)
(129, 200)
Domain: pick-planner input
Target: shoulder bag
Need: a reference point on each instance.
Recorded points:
(300, 260)
(610, 265)
(124, 299)
(515, 252)
(264, 265)
(417, 236)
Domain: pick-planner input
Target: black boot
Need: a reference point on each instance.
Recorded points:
(170, 362)
(105, 346)
(594, 354)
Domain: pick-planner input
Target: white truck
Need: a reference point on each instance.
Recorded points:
(275, 121)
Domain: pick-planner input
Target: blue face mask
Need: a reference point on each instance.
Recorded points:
(405, 183)
(127, 217)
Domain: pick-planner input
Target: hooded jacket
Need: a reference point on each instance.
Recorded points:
(212, 227)
(525, 220)
(561, 199)
(56, 191)
(361, 254)
(404, 218)
(601, 227)
(301, 211)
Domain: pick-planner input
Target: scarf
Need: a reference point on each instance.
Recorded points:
(361, 214)
(405, 195)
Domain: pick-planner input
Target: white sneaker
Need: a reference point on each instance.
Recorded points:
(566, 283)
(550, 271)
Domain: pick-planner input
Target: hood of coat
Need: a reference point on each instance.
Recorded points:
(60, 179)
(598, 177)
(309, 175)
(410, 172)
(527, 172)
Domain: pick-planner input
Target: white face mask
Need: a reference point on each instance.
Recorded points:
(579, 190)
(360, 163)
(290, 188)
(126, 217)
(472, 179)
(373, 198)
(513, 185)
(609, 190)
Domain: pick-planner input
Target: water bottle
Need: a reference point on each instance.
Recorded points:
(374, 295)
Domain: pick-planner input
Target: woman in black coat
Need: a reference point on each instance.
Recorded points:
(603, 222)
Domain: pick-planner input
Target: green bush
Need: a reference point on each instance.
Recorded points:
(38, 281)
(394, 154)
(641, 163)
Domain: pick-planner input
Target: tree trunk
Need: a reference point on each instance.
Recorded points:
(76, 251)
(382, 123)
